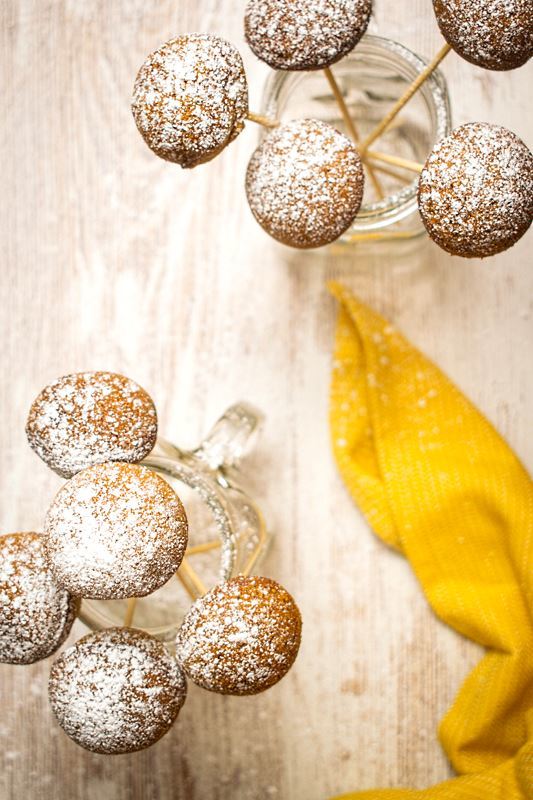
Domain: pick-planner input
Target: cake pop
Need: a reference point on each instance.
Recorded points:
(307, 35)
(116, 691)
(304, 183)
(115, 531)
(475, 192)
(190, 98)
(241, 637)
(36, 615)
(90, 418)
(494, 34)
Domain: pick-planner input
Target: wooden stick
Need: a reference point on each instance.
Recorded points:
(392, 173)
(130, 611)
(350, 125)
(363, 237)
(337, 94)
(374, 180)
(396, 161)
(184, 582)
(260, 119)
(406, 96)
(202, 548)
(191, 576)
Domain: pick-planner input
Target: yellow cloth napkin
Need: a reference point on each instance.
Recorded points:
(437, 482)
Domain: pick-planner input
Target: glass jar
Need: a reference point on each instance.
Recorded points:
(227, 533)
(371, 79)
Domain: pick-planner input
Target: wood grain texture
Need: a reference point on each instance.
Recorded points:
(112, 259)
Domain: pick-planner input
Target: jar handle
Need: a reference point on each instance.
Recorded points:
(231, 437)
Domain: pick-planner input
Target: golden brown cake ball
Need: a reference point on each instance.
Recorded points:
(475, 193)
(35, 614)
(190, 98)
(116, 691)
(308, 34)
(115, 531)
(241, 637)
(494, 34)
(304, 183)
(89, 418)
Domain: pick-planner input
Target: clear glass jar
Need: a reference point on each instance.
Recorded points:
(227, 533)
(371, 79)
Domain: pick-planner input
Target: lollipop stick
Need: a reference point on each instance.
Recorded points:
(396, 161)
(337, 94)
(392, 173)
(190, 576)
(350, 125)
(184, 582)
(130, 611)
(260, 119)
(365, 237)
(375, 181)
(202, 548)
(406, 96)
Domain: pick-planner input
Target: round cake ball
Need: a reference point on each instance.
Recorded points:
(90, 418)
(190, 98)
(115, 531)
(495, 34)
(309, 34)
(304, 183)
(35, 614)
(475, 192)
(116, 691)
(241, 637)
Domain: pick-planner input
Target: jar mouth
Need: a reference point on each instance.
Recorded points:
(375, 65)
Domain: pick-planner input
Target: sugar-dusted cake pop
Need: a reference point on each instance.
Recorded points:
(475, 192)
(89, 418)
(494, 34)
(304, 183)
(241, 637)
(116, 691)
(304, 35)
(190, 98)
(35, 614)
(115, 531)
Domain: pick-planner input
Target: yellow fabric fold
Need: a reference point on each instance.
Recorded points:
(437, 482)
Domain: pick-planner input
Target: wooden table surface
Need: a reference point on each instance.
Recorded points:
(112, 259)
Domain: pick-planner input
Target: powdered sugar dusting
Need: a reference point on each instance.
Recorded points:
(35, 614)
(116, 691)
(304, 183)
(495, 34)
(90, 418)
(476, 190)
(115, 531)
(241, 637)
(309, 34)
(190, 98)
